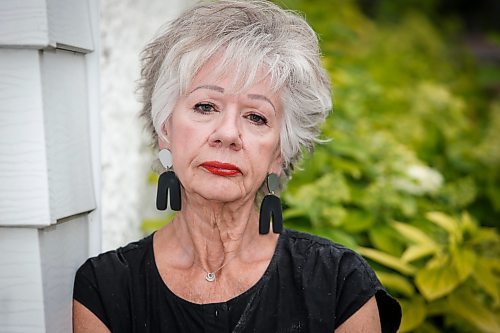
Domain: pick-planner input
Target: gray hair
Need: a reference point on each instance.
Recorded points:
(247, 35)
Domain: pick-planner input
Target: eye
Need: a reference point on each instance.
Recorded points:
(257, 119)
(204, 108)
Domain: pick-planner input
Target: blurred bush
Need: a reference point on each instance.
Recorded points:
(410, 177)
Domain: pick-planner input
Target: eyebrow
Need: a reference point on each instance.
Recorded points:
(262, 98)
(221, 90)
(210, 87)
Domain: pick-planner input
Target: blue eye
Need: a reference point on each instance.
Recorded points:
(204, 108)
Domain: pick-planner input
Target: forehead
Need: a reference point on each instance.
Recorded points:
(233, 78)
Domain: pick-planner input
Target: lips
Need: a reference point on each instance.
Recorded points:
(221, 169)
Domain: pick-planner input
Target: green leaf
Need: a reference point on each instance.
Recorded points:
(464, 261)
(340, 237)
(397, 283)
(467, 306)
(385, 238)
(416, 252)
(290, 213)
(387, 260)
(468, 224)
(333, 215)
(349, 167)
(438, 307)
(485, 235)
(412, 233)
(444, 221)
(485, 276)
(461, 192)
(357, 221)
(414, 313)
(436, 281)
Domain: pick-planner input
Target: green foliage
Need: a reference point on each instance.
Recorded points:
(411, 168)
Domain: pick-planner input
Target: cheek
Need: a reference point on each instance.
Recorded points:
(268, 152)
(186, 141)
(181, 130)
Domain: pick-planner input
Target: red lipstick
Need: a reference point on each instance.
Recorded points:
(221, 169)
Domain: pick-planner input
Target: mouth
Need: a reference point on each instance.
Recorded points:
(221, 169)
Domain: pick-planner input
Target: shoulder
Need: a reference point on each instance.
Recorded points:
(336, 270)
(322, 250)
(103, 283)
(319, 263)
(112, 263)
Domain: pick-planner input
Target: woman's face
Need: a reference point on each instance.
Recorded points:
(224, 143)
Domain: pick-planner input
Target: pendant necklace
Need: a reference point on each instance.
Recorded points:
(210, 277)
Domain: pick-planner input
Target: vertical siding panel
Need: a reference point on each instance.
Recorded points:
(21, 296)
(94, 89)
(66, 116)
(62, 249)
(23, 166)
(23, 23)
(69, 24)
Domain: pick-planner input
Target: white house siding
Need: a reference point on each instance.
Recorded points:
(49, 188)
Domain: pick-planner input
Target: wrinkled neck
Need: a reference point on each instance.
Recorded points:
(211, 233)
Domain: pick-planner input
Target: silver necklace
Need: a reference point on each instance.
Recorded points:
(210, 277)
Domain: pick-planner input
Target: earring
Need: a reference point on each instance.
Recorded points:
(168, 183)
(271, 208)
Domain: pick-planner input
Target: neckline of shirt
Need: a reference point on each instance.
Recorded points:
(262, 280)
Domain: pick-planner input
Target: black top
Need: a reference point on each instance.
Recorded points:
(310, 285)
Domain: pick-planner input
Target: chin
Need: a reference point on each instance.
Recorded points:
(220, 192)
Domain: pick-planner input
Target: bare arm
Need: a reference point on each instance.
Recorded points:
(84, 321)
(365, 320)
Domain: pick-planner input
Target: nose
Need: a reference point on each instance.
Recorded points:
(227, 131)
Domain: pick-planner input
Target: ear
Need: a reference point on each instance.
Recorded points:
(163, 142)
(277, 164)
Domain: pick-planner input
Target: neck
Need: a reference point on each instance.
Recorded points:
(210, 234)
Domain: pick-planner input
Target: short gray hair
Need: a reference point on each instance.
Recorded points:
(247, 35)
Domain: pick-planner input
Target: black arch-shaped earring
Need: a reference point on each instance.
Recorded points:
(168, 183)
(271, 208)
(169, 186)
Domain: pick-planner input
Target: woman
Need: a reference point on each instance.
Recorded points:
(233, 90)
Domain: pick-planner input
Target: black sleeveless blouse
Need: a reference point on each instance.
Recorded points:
(310, 285)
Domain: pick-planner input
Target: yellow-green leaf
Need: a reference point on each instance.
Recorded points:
(294, 212)
(468, 224)
(435, 282)
(357, 221)
(397, 283)
(416, 252)
(387, 260)
(444, 221)
(464, 261)
(485, 235)
(385, 238)
(412, 233)
(414, 314)
(486, 278)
